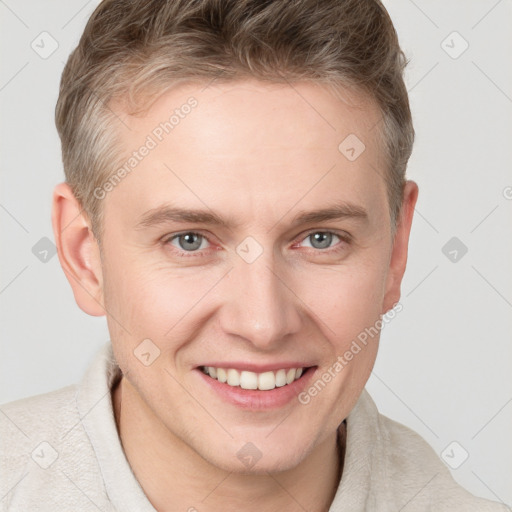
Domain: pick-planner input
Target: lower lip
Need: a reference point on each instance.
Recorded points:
(255, 398)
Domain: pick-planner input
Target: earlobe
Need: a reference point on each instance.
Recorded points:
(398, 258)
(78, 250)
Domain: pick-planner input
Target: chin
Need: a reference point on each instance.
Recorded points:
(262, 466)
(259, 457)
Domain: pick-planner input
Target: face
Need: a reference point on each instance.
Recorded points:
(214, 255)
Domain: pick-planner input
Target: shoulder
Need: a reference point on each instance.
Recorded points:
(45, 454)
(25, 423)
(60, 402)
(416, 474)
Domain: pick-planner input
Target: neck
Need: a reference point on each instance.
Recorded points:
(175, 477)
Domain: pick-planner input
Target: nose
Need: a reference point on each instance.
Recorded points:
(260, 305)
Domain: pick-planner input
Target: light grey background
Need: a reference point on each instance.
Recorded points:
(444, 366)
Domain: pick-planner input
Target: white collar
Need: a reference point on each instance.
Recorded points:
(94, 402)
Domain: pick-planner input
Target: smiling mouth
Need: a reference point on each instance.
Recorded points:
(264, 381)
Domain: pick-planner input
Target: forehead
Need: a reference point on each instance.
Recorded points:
(261, 142)
(259, 113)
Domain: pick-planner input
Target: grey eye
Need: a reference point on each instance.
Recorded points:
(189, 241)
(320, 239)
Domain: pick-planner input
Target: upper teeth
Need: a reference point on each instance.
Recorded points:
(250, 380)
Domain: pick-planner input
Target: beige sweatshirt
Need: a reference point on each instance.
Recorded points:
(61, 452)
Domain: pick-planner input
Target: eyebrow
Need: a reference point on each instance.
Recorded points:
(167, 213)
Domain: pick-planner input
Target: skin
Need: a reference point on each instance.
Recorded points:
(257, 154)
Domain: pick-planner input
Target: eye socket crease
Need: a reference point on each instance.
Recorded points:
(167, 213)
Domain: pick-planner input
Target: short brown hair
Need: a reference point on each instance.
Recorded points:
(138, 49)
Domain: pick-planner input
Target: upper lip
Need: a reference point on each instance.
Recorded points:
(257, 368)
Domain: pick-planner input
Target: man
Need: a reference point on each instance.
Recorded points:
(236, 206)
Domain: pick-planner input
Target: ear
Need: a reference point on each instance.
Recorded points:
(78, 250)
(398, 258)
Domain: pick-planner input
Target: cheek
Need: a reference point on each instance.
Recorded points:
(156, 302)
(346, 303)
(347, 299)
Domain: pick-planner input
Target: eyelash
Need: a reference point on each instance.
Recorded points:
(345, 238)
